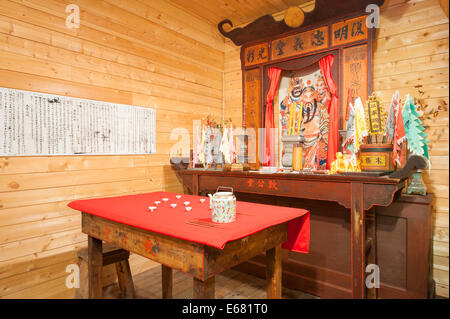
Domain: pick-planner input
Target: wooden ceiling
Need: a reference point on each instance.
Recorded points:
(238, 11)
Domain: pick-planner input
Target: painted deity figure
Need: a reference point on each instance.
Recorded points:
(312, 100)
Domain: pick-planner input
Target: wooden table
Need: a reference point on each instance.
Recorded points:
(357, 193)
(200, 261)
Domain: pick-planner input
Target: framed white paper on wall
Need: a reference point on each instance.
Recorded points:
(38, 124)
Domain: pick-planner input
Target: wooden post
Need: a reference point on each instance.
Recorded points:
(167, 282)
(95, 259)
(125, 279)
(371, 255)
(194, 184)
(204, 289)
(273, 272)
(357, 240)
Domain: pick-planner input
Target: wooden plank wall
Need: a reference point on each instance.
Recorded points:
(411, 49)
(140, 52)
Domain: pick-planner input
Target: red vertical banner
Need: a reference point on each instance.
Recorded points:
(333, 109)
(274, 76)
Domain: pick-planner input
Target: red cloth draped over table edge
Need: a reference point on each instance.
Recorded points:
(333, 109)
(274, 76)
(251, 218)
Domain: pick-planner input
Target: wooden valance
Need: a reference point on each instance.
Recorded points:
(267, 27)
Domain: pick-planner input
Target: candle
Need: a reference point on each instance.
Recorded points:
(297, 157)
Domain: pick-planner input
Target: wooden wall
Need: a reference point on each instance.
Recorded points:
(140, 52)
(152, 53)
(411, 49)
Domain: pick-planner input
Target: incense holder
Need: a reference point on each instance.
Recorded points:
(416, 185)
(288, 142)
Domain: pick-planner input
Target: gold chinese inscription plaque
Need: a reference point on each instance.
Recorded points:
(375, 116)
(301, 43)
(349, 31)
(256, 54)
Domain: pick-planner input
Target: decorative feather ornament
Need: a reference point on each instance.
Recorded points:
(218, 158)
(197, 146)
(390, 121)
(208, 146)
(414, 131)
(399, 135)
(348, 144)
(225, 146)
(231, 144)
(201, 155)
(361, 130)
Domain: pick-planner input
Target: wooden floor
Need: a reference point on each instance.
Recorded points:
(231, 284)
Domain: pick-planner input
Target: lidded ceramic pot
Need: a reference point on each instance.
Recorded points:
(223, 205)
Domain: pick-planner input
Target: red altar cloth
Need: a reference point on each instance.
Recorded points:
(196, 225)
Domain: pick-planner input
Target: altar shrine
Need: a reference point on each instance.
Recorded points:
(224, 149)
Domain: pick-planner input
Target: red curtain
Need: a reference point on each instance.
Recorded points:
(269, 153)
(333, 109)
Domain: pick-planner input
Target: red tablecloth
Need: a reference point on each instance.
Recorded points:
(196, 225)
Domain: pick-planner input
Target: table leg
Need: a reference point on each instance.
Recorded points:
(194, 184)
(358, 241)
(95, 266)
(167, 282)
(371, 247)
(273, 272)
(125, 279)
(204, 289)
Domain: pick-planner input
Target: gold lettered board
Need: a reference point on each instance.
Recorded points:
(301, 43)
(355, 75)
(38, 124)
(349, 31)
(256, 54)
(252, 112)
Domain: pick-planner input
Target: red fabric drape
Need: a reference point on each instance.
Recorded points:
(133, 210)
(333, 109)
(269, 153)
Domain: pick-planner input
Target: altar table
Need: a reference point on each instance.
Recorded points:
(359, 193)
(190, 241)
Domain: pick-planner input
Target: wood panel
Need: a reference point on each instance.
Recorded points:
(355, 76)
(233, 83)
(411, 48)
(253, 112)
(132, 52)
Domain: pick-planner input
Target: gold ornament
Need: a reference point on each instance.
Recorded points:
(294, 17)
(345, 163)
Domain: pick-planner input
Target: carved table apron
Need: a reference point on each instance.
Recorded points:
(200, 261)
(357, 193)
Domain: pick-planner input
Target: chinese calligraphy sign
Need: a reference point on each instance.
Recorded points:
(266, 184)
(375, 116)
(256, 54)
(355, 74)
(252, 107)
(375, 161)
(349, 31)
(304, 42)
